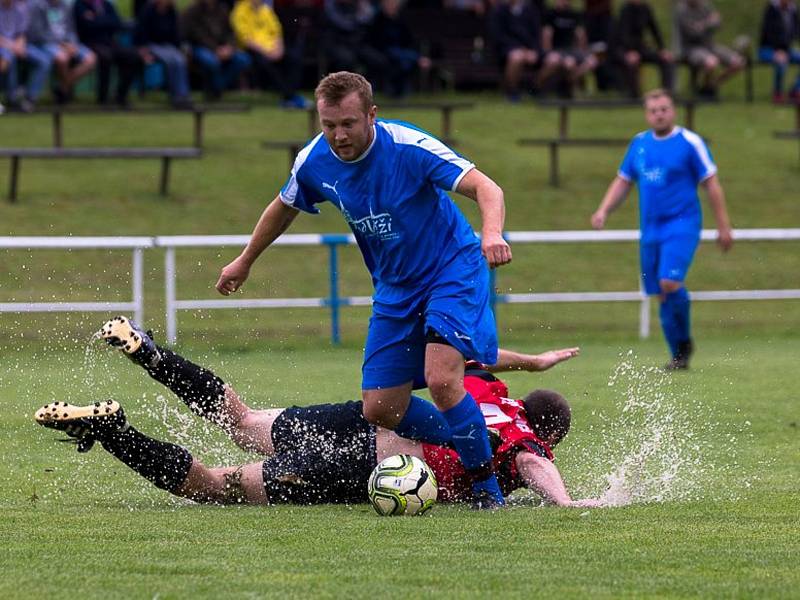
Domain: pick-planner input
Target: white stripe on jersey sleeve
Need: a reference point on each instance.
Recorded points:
(290, 193)
(403, 134)
(702, 152)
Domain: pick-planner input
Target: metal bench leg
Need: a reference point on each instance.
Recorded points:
(58, 138)
(690, 115)
(198, 129)
(165, 161)
(446, 123)
(12, 182)
(563, 121)
(554, 164)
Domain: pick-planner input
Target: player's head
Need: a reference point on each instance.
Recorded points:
(549, 415)
(659, 108)
(346, 113)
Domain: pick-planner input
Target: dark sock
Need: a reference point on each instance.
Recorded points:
(163, 464)
(201, 390)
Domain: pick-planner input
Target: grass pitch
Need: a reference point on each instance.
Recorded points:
(85, 526)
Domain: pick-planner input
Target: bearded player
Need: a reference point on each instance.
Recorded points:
(323, 453)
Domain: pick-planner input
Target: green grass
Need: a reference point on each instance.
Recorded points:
(94, 529)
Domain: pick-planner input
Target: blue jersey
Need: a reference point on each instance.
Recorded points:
(392, 198)
(668, 171)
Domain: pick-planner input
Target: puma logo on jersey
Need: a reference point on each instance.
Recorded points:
(328, 186)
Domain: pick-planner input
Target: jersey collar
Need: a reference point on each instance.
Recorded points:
(363, 154)
(675, 131)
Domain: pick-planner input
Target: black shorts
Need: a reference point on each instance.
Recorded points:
(323, 454)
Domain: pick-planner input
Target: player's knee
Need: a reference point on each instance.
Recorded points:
(375, 413)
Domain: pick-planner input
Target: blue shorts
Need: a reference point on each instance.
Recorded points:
(456, 306)
(669, 258)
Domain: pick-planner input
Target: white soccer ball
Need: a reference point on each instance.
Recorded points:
(402, 485)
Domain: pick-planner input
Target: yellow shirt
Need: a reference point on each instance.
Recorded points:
(256, 25)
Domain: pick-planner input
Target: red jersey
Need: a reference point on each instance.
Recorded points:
(508, 428)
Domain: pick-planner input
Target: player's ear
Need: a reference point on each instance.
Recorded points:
(372, 113)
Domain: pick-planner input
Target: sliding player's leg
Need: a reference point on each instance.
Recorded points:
(167, 466)
(200, 389)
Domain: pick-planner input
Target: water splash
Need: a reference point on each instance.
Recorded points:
(663, 445)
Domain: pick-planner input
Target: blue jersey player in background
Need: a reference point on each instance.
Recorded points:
(668, 163)
(431, 302)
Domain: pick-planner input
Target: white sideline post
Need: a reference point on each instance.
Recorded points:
(644, 314)
(169, 285)
(137, 282)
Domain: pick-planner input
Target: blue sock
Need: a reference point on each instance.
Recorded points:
(668, 325)
(471, 441)
(424, 422)
(681, 304)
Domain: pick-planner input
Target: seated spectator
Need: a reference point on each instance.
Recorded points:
(564, 37)
(392, 36)
(599, 23)
(52, 29)
(344, 40)
(206, 26)
(635, 20)
(516, 31)
(780, 29)
(14, 48)
(158, 39)
(260, 33)
(98, 22)
(697, 22)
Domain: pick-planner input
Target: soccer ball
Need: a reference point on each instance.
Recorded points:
(402, 485)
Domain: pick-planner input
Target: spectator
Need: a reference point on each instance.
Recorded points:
(635, 20)
(344, 42)
(52, 29)
(564, 37)
(259, 32)
(97, 23)
(697, 22)
(392, 36)
(13, 49)
(780, 28)
(158, 39)
(206, 26)
(516, 30)
(599, 23)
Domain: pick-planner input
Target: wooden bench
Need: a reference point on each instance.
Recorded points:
(198, 113)
(565, 106)
(164, 154)
(787, 135)
(446, 110)
(555, 143)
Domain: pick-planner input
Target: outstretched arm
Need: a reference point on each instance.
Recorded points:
(508, 360)
(489, 196)
(615, 195)
(275, 219)
(542, 476)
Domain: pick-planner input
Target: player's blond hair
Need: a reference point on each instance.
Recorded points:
(658, 93)
(336, 86)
